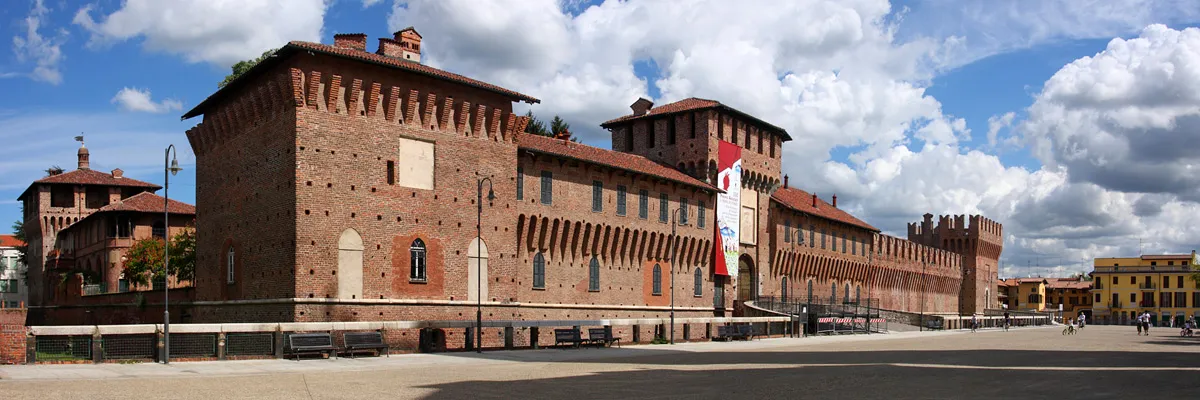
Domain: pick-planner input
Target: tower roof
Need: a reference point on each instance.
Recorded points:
(696, 104)
(90, 177)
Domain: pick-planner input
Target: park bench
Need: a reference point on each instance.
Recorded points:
(308, 343)
(749, 331)
(603, 336)
(569, 336)
(356, 341)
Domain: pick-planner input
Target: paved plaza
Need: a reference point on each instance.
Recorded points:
(1099, 362)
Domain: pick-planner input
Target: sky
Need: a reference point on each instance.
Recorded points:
(1072, 123)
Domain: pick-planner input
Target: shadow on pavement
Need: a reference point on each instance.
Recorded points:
(849, 382)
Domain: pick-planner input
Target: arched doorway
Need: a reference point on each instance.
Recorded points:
(350, 261)
(746, 283)
(477, 269)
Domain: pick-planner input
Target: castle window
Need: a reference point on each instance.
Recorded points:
(391, 172)
(539, 271)
(597, 196)
(823, 236)
(700, 213)
(650, 135)
(594, 275)
(671, 129)
(772, 146)
(720, 127)
(229, 265)
(643, 204)
(812, 236)
(833, 242)
(843, 244)
(656, 281)
(547, 187)
(697, 283)
(417, 261)
(692, 116)
(520, 183)
(629, 138)
(847, 292)
(621, 200)
(662, 207)
(96, 196)
(683, 211)
(787, 231)
(854, 246)
(158, 230)
(62, 196)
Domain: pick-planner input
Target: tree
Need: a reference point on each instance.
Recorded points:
(559, 128)
(144, 259)
(242, 66)
(18, 228)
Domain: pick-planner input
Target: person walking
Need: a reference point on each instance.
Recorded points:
(1138, 321)
(974, 322)
(1006, 322)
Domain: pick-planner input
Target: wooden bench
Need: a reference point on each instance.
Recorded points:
(356, 341)
(308, 343)
(603, 337)
(570, 336)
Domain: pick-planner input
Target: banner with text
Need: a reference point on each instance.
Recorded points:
(729, 204)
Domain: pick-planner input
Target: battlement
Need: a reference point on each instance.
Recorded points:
(314, 91)
(953, 229)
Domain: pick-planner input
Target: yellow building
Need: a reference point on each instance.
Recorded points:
(1156, 284)
(1046, 294)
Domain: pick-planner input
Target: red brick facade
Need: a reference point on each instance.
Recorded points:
(296, 184)
(12, 336)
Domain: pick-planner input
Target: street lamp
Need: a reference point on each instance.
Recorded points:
(479, 257)
(173, 168)
(922, 327)
(675, 217)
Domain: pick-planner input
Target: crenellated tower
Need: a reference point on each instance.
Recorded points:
(979, 240)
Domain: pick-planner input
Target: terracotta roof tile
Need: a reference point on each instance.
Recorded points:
(615, 159)
(801, 201)
(354, 54)
(10, 241)
(692, 104)
(90, 177)
(149, 203)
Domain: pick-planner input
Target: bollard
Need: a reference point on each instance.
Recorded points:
(278, 342)
(162, 354)
(469, 342)
(221, 346)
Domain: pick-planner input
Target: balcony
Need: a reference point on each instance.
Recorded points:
(1146, 304)
(1147, 286)
(1097, 285)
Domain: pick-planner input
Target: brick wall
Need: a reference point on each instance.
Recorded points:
(12, 336)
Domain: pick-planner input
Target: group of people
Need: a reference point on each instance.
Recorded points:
(1143, 324)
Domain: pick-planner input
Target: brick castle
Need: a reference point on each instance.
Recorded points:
(338, 184)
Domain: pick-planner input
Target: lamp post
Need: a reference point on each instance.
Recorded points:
(675, 217)
(922, 327)
(479, 257)
(169, 169)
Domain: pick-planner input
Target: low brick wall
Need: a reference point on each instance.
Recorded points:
(12, 335)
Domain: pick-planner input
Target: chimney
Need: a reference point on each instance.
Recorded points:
(641, 106)
(356, 41)
(389, 48)
(118, 173)
(814, 200)
(835, 201)
(785, 183)
(83, 158)
(410, 44)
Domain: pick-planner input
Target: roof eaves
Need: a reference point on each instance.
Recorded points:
(697, 184)
(863, 225)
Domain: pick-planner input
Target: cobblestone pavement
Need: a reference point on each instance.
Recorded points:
(1099, 362)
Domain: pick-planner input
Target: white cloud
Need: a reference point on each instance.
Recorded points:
(368, 3)
(849, 75)
(45, 52)
(219, 32)
(138, 100)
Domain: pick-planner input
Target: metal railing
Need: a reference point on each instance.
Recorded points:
(1147, 286)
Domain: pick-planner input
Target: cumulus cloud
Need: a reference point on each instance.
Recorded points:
(138, 100)
(853, 75)
(219, 32)
(45, 52)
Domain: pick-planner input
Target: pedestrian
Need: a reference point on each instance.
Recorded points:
(1138, 321)
(1006, 321)
(974, 322)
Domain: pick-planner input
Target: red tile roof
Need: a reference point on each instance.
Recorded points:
(1068, 283)
(358, 55)
(693, 104)
(801, 201)
(91, 177)
(10, 241)
(615, 159)
(149, 203)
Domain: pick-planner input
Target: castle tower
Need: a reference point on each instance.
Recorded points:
(83, 158)
(980, 241)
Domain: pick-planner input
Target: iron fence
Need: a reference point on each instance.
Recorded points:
(129, 347)
(194, 345)
(250, 344)
(63, 348)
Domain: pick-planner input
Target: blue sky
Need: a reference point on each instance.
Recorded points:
(890, 103)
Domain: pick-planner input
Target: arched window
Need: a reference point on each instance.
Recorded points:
(847, 292)
(810, 291)
(656, 284)
(832, 292)
(229, 257)
(594, 275)
(416, 254)
(783, 289)
(698, 283)
(539, 271)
